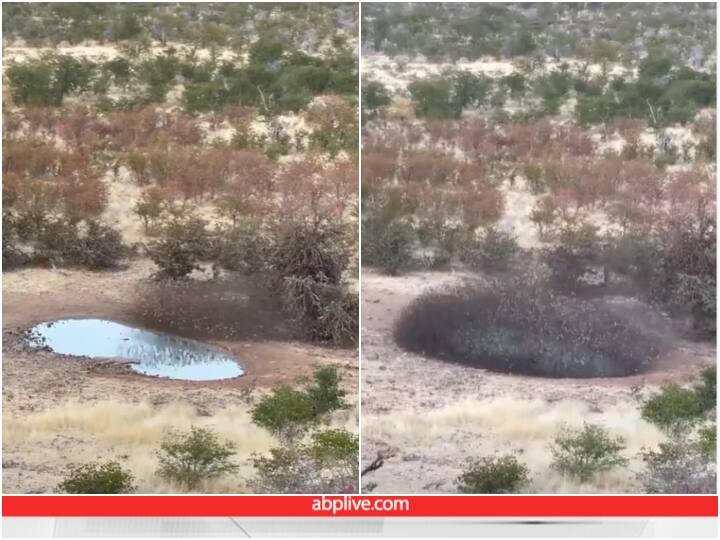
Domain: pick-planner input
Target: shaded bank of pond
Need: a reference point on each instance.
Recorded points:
(152, 353)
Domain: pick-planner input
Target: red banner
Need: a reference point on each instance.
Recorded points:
(359, 506)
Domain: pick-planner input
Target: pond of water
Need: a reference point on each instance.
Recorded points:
(152, 353)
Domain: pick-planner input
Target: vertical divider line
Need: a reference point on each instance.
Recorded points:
(359, 236)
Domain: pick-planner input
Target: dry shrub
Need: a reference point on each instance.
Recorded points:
(481, 207)
(11, 188)
(311, 190)
(308, 262)
(80, 127)
(31, 157)
(431, 166)
(340, 177)
(133, 128)
(479, 139)
(252, 172)
(84, 197)
(41, 119)
(378, 169)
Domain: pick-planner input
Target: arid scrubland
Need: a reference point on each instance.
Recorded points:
(539, 231)
(190, 169)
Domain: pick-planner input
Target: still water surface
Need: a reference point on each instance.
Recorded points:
(156, 354)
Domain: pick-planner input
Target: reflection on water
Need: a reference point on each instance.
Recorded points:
(155, 354)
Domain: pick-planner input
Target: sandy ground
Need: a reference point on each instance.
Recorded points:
(428, 417)
(397, 73)
(61, 410)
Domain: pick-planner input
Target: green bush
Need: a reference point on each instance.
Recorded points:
(707, 442)
(673, 409)
(434, 98)
(329, 464)
(495, 250)
(389, 247)
(578, 250)
(100, 247)
(324, 392)
(91, 478)
(684, 276)
(89, 244)
(285, 470)
(45, 81)
(676, 409)
(288, 413)
(374, 96)
(335, 446)
(503, 474)
(316, 251)
(191, 457)
(243, 249)
(335, 454)
(582, 453)
(285, 412)
(182, 245)
(150, 207)
(12, 255)
(706, 390)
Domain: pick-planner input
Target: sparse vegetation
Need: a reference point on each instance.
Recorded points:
(288, 413)
(582, 453)
(192, 457)
(91, 478)
(326, 465)
(678, 466)
(676, 409)
(285, 412)
(502, 474)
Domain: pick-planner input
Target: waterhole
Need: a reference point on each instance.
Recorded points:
(151, 353)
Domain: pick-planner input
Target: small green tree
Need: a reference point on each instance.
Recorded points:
(150, 207)
(91, 478)
(495, 250)
(494, 474)
(325, 393)
(191, 457)
(389, 246)
(707, 442)
(706, 390)
(673, 409)
(101, 247)
(329, 464)
(434, 98)
(374, 96)
(582, 453)
(183, 243)
(335, 453)
(139, 167)
(284, 412)
(285, 470)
